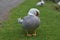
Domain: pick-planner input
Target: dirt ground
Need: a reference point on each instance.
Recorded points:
(5, 6)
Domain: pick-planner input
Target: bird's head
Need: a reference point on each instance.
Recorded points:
(34, 12)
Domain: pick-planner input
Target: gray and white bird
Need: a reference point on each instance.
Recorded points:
(57, 6)
(30, 22)
(40, 3)
(58, 3)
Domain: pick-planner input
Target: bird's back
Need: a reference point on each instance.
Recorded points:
(30, 22)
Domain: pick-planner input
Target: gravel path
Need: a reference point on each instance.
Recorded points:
(5, 6)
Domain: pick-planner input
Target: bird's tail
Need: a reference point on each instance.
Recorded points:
(20, 20)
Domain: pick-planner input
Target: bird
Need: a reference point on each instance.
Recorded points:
(58, 3)
(41, 3)
(30, 22)
(57, 6)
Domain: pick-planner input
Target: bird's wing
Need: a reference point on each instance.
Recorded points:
(39, 3)
(20, 20)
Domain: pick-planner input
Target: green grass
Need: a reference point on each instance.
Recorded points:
(49, 28)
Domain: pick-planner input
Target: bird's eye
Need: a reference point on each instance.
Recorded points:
(37, 13)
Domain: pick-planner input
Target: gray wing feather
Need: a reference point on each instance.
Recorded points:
(30, 22)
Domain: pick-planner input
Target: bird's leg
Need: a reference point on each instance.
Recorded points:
(29, 34)
(34, 33)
